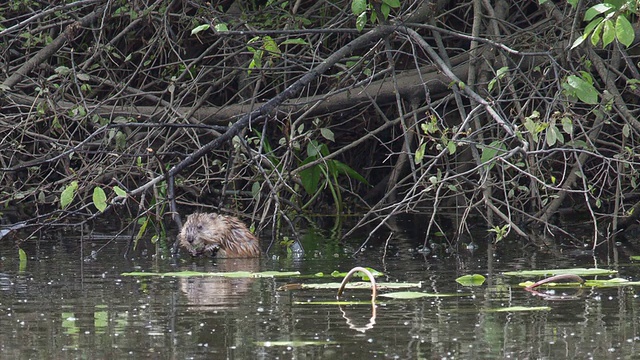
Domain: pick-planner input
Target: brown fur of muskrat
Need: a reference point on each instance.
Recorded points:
(219, 235)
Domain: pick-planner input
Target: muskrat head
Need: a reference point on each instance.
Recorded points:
(220, 235)
(200, 233)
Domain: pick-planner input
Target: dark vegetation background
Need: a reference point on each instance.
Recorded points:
(465, 112)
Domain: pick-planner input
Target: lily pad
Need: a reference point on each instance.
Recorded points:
(471, 280)
(293, 343)
(615, 282)
(416, 295)
(374, 272)
(549, 272)
(351, 285)
(521, 308)
(334, 302)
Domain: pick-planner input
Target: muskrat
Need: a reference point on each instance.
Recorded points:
(220, 235)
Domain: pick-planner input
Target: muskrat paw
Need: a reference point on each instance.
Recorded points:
(213, 248)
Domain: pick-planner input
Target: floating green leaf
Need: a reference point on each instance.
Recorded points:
(294, 344)
(352, 285)
(416, 295)
(550, 272)
(22, 255)
(520, 309)
(359, 274)
(471, 280)
(333, 302)
(607, 283)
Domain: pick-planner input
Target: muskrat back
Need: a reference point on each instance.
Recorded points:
(222, 235)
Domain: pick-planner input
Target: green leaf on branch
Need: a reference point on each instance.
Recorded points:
(296, 41)
(490, 152)
(200, 28)
(597, 10)
(361, 21)
(327, 134)
(608, 33)
(67, 194)
(582, 89)
(344, 169)
(119, 191)
(420, 154)
(624, 31)
(99, 199)
(385, 10)
(310, 178)
(221, 27)
(358, 7)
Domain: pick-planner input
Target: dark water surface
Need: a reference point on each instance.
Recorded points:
(64, 306)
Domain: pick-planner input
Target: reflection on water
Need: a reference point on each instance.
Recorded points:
(61, 306)
(206, 293)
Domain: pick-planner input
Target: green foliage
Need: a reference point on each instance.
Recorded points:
(99, 199)
(22, 256)
(490, 152)
(500, 73)
(471, 280)
(200, 28)
(119, 191)
(500, 231)
(609, 21)
(67, 194)
(581, 87)
(268, 49)
(430, 129)
(359, 8)
(325, 173)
